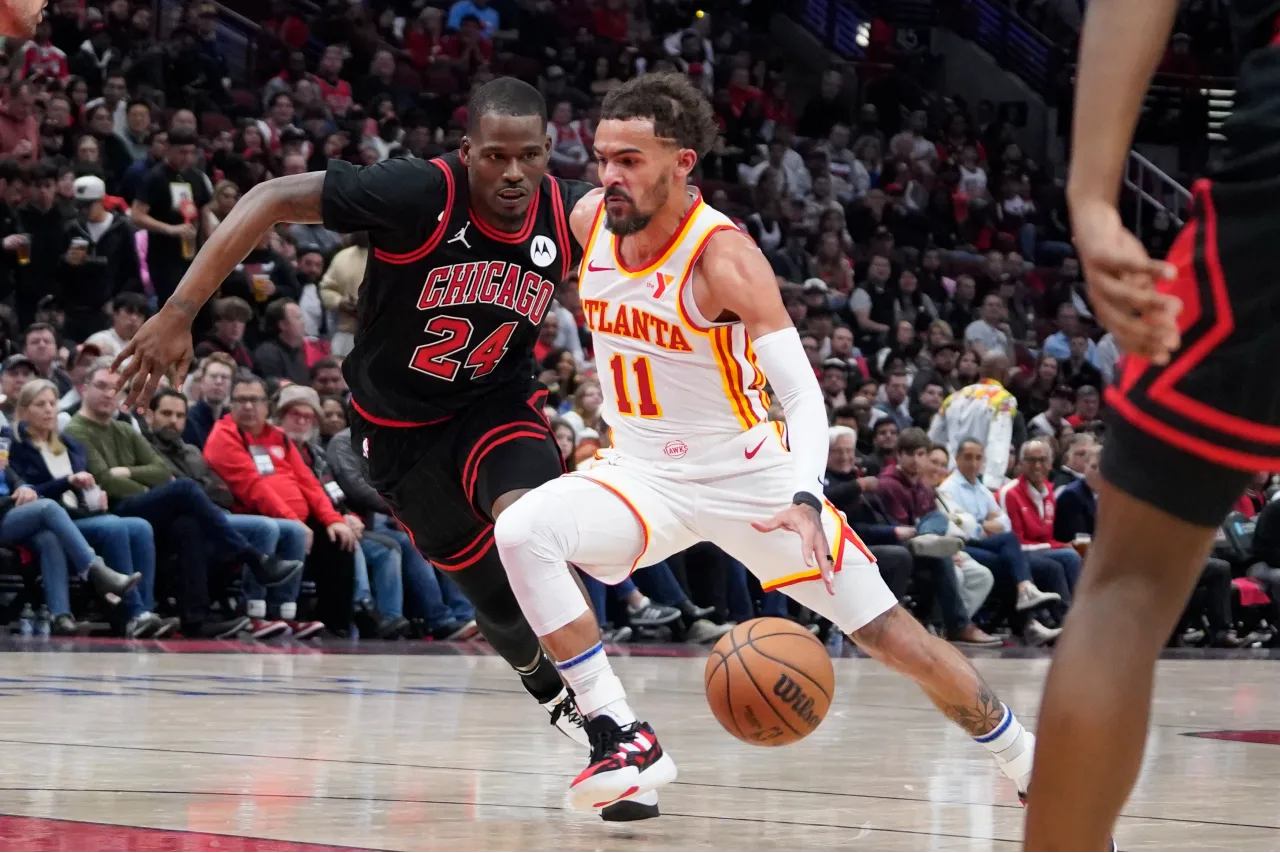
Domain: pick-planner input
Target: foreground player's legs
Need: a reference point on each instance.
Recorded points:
(1142, 566)
(576, 519)
(865, 609)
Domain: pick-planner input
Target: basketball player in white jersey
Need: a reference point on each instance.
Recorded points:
(688, 322)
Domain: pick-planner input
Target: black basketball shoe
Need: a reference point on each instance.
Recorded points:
(625, 761)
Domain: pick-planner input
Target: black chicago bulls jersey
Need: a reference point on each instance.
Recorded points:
(449, 308)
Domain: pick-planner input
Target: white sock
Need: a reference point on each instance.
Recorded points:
(256, 609)
(595, 687)
(289, 610)
(1013, 748)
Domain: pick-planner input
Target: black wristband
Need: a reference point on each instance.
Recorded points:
(806, 499)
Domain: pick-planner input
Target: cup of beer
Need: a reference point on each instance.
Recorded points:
(24, 250)
(261, 285)
(1081, 544)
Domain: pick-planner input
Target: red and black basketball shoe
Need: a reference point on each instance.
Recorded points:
(625, 761)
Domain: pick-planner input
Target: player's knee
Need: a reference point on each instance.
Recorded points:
(895, 638)
(527, 525)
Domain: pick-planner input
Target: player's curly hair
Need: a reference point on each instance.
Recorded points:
(678, 109)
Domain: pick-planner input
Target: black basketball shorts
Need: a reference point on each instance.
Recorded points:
(441, 479)
(1187, 437)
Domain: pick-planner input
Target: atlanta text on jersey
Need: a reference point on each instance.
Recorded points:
(490, 282)
(635, 323)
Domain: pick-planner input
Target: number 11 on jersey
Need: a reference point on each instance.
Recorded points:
(649, 407)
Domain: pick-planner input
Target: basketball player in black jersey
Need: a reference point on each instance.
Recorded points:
(465, 253)
(1196, 407)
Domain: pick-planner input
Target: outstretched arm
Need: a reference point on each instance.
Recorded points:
(738, 279)
(163, 345)
(1120, 46)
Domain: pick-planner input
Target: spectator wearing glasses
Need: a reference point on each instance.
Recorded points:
(166, 419)
(212, 391)
(990, 540)
(1029, 502)
(139, 484)
(269, 476)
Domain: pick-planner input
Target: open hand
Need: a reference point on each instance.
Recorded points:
(161, 347)
(814, 548)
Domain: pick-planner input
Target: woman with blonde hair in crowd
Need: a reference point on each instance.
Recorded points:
(585, 411)
(53, 470)
(225, 196)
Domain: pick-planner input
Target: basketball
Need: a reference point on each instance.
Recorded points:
(769, 682)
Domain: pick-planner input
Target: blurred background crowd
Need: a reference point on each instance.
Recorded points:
(900, 164)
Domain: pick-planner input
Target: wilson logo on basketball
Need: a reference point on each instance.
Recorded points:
(801, 703)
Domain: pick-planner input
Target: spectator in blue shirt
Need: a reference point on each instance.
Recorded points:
(989, 538)
(1058, 344)
(480, 8)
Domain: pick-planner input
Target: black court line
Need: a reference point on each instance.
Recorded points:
(763, 789)
(394, 800)
(236, 835)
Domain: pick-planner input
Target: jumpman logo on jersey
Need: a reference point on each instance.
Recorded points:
(461, 236)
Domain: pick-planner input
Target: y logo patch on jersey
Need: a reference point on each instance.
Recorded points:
(542, 250)
(660, 286)
(461, 236)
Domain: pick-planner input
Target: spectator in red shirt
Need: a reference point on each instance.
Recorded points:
(741, 92)
(335, 91)
(777, 108)
(268, 476)
(1029, 502)
(610, 20)
(1254, 497)
(424, 38)
(40, 58)
(469, 46)
(19, 128)
(286, 26)
(1088, 403)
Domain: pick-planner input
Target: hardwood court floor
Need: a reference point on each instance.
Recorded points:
(103, 751)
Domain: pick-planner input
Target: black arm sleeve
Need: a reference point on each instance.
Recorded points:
(395, 197)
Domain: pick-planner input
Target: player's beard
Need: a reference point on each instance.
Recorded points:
(637, 221)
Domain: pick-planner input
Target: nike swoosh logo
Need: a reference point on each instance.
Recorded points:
(591, 267)
(751, 454)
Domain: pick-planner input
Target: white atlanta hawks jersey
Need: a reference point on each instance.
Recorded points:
(675, 384)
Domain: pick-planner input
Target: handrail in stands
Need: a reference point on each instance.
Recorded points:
(1150, 185)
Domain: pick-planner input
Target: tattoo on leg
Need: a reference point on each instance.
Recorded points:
(979, 718)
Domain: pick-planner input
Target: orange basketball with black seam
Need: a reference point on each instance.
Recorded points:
(769, 682)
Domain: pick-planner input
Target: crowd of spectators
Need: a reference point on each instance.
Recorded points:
(925, 258)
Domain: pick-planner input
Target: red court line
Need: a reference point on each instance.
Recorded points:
(40, 833)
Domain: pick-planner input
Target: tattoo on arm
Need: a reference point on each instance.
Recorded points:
(186, 306)
(980, 717)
